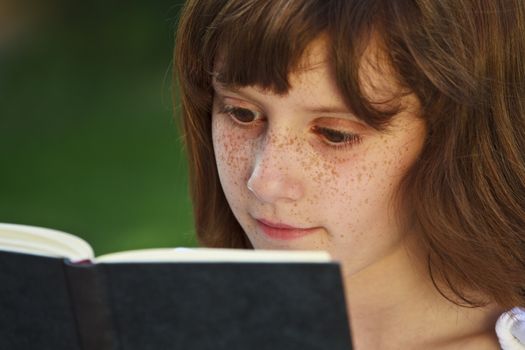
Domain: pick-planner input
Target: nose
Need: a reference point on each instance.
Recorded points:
(276, 175)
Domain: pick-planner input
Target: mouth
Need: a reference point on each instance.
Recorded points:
(283, 232)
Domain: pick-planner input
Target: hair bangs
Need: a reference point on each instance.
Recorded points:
(261, 42)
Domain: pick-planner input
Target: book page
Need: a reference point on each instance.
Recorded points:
(46, 242)
(214, 255)
(43, 241)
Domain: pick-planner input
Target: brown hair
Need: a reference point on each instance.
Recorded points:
(463, 59)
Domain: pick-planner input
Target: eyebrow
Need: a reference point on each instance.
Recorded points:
(339, 110)
(329, 110)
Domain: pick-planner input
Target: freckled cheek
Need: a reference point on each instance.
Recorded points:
(360, 182)
(233, 154)
(373, 181)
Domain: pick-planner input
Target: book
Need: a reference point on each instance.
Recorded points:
(55, 294)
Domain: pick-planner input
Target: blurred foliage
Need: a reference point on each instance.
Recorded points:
(88, 142)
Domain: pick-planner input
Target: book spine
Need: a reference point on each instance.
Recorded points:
(91, 306)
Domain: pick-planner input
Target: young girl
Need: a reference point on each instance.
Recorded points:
(389, 133)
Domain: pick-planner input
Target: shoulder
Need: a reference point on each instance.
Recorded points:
(510, 329)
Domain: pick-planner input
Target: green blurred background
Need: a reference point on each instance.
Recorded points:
(88, 143)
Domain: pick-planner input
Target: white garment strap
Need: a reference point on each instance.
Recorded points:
(510, 329)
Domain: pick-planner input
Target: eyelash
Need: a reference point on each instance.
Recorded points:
(235, 114)
(346, 139)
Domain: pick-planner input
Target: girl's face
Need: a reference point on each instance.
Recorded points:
(300, 171)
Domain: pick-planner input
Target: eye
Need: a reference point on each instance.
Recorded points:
(241, 115)
(337, 138)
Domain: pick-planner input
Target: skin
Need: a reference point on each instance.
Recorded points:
(304, 160)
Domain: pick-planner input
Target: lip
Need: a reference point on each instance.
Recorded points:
(281, 231)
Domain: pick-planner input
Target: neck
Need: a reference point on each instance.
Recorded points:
(394, 305)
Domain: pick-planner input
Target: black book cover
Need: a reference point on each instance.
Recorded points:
(48, 303)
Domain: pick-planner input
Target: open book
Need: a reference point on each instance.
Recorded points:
(54, 294)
